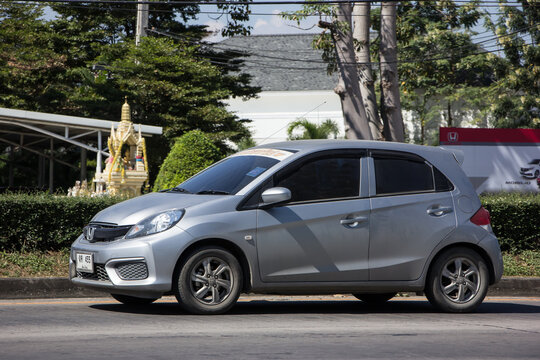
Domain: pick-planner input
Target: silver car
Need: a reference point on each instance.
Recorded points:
(303, 217)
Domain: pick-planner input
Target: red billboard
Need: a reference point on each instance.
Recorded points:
(497, 159)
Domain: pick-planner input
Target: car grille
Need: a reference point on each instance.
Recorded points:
(132, 271)
(98, 231)
(99, 274)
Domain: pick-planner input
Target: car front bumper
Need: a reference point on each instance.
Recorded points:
(140, 267)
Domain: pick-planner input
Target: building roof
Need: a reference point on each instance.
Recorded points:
(282, 62)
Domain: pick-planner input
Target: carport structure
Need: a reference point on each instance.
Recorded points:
(39, 133)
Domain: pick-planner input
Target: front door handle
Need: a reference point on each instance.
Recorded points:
(440, 211)
(353, 222)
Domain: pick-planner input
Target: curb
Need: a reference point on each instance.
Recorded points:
(42, 288)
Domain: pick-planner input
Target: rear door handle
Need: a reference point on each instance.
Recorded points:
(440, 211)
(353, 222)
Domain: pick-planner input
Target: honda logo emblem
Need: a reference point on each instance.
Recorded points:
(89, 233)
(453, 136)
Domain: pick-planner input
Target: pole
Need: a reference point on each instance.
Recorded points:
(98, 164)
(142, 22)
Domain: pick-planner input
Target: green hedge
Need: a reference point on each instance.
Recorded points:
(192, 152)
(42, 222)
(515, 219)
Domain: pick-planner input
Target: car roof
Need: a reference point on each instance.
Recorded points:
(306, 146)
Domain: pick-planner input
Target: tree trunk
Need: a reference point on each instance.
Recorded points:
(450, 119)
(348, 89)
(361, 15)
(390, 103)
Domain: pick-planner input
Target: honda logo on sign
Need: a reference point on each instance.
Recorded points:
(453, 136)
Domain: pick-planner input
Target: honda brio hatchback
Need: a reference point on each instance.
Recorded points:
(302, 217)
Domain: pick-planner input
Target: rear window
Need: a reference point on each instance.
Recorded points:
(402, 175)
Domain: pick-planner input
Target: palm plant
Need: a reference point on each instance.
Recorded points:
(312, 130)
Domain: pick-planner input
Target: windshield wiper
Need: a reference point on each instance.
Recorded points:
(213, 192)
(179, 189)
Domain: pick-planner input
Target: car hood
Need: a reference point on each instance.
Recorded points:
(132, 211)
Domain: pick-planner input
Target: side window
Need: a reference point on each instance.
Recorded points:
(402, 175)
(441, 182)
(323, 178)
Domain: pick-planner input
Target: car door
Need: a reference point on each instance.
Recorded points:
(411, 212)
(322, 234)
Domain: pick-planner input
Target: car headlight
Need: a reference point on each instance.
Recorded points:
(155, 223)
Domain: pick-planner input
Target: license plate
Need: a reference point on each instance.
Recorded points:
(84, 262)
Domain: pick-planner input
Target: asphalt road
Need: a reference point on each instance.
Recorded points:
(278, 328)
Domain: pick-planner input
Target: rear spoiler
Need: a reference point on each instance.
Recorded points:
(459, 156)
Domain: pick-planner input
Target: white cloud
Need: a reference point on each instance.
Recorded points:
(259, 24)
(215, 27)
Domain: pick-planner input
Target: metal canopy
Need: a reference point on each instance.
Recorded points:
(39, 133)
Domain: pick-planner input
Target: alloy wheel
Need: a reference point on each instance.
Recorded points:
(211, 281)
(460, 280)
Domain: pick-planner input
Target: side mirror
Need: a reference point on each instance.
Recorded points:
(275, 196)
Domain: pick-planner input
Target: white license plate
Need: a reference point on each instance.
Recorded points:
(84, 262)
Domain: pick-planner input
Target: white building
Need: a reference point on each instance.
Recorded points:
(294, 84)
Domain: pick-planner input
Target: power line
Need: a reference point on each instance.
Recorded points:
(194, 40)
(485, 3)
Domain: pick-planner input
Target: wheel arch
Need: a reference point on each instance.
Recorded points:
(225, 244)
(474, 247)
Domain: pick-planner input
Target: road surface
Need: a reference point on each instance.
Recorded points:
(330, 327)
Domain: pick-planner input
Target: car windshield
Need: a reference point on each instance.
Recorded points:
(227, 176)
(535, 162)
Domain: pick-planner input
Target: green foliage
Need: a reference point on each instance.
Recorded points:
(34, 264)
(515, 96)
(40, 222)
(84, 61)
(526, 263)
(312, 130)
(514, 218)
(191, 153)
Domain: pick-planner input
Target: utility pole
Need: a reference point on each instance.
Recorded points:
(142, 21)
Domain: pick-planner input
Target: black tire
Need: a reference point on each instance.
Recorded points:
(208, 282)
(375, 299)
(132, 300)
(457, 281)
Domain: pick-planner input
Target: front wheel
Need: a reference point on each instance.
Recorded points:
(458, 281)
(375, 299)
(209, 281)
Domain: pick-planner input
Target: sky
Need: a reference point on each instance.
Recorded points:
(262, 22)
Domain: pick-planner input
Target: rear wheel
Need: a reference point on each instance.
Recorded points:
(458, 281)
(375, 299)
(209, 281)
(132, 300)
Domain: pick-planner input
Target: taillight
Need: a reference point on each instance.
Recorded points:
(481, 217)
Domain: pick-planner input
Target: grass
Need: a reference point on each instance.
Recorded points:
(526, 263)
(55, 264)
(34, 264)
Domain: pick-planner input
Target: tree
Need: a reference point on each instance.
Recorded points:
(390, 101)
(84, 62)
(444, 74)
(516, 91)
(312, 130)
(31, 71)
(168, 85)
(361, 35)
(191, 153)
(344, 61)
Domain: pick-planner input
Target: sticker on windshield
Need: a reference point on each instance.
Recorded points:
(256, 172)
(271, 153)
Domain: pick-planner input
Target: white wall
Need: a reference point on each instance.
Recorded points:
(272, 111)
